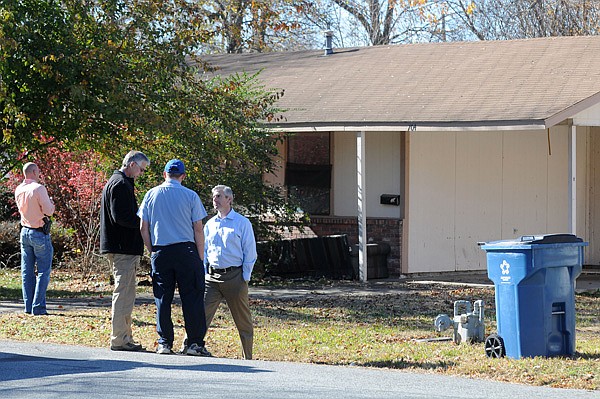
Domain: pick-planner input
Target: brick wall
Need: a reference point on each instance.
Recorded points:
(378, 230)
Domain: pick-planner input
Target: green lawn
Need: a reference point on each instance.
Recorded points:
(369, 330)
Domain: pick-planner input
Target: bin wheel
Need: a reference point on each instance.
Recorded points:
(494, 346)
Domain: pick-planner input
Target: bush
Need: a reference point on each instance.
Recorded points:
(74, 180)
(8, 207)
(65, 246)
(10, 248)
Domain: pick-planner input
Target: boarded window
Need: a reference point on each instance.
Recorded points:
(308, 172)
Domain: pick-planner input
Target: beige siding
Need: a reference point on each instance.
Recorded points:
(592, 255)
(558, 170)
(476, 191)
(277, 177)
(466, 187)
(524, 184)
(588, 117)
(344, 175)
(583, 185)
(431, 196)
(383, 173)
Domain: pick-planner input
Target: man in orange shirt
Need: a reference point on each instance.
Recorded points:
(36, 248)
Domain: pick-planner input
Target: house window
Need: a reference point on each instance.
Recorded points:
(308, 172)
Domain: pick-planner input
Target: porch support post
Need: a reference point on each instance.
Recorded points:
(573, 179)
(362, 205)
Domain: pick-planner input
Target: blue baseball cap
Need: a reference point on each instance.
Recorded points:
(174, 166)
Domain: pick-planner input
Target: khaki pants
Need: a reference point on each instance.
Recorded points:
(231, 287)
(124, 271)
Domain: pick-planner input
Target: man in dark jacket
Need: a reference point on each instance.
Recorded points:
(121, 241)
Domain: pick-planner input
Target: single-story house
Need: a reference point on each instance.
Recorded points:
(435, 147)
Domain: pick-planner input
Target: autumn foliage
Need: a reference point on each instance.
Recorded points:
(74, 181)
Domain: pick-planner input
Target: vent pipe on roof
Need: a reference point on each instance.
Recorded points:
(328, 42)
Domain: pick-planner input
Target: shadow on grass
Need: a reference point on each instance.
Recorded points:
(10, 293)
(587, 356)
(17, 294)
(404, 364)
(76, 294)
(590, 294)
(100, 313)
(389, 308)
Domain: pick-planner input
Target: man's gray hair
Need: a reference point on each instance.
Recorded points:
(226, 190)
(135, 156)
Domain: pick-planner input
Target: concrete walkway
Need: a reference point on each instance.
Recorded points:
(585, 282)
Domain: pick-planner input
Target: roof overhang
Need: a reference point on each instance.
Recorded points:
(512, 85)
(573, 110)
(408, 127)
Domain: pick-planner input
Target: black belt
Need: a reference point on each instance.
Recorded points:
(213, 270)
(34, 228)
(156, 248)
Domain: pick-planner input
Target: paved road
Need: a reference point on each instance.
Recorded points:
(37, 370)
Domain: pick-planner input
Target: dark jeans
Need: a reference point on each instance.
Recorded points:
(179, 264)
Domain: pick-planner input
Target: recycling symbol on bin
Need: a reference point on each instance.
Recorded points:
(505, 267)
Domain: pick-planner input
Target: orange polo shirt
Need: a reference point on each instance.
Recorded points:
(33, 203)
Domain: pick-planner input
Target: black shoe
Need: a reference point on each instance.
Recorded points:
(197, 350)
(129, 346)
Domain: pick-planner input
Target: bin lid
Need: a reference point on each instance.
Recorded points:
(550, 239)
(534, 239)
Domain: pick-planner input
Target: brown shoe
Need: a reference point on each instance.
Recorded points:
(129, 346)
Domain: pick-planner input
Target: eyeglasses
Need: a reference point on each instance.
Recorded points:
(141, 167)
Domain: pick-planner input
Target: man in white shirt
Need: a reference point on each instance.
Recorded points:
(229, 257)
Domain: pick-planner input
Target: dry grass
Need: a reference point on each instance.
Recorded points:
(369, 330)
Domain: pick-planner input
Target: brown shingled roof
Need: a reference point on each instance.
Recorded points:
(459, 84)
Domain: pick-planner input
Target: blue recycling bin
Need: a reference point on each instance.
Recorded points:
(534, 280)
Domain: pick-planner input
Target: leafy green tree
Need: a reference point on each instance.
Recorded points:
(105, 74)
(112, 75)
(230, 147)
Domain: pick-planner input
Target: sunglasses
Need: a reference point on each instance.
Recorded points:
(141, 168)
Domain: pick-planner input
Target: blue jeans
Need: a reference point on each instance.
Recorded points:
(36, 248)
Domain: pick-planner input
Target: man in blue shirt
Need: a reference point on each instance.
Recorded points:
(229, 257)
(171, 227)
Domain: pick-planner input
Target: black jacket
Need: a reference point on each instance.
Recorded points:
(119, 223)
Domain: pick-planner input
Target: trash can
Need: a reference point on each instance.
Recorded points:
(534, 281)
(377, 260)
